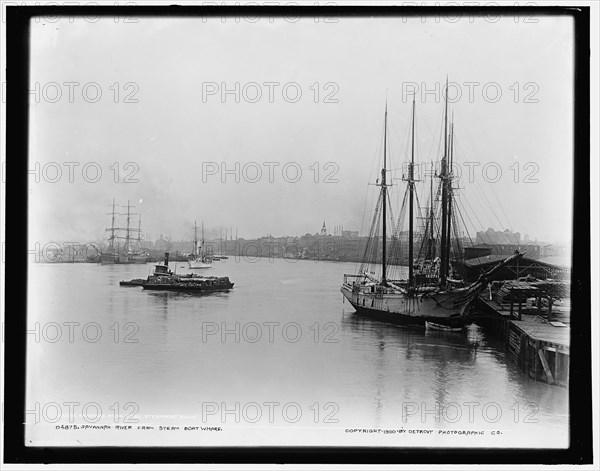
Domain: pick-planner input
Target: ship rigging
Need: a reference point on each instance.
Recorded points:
(433, 293)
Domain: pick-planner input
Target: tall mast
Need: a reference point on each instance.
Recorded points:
(411, 183)
(112, 226)
(195, 240)
(127, 236)
(431, 236)
(139, 238)
(202, 250)
(444, 177)
(111, 241)
(451, 157)
(384, 196)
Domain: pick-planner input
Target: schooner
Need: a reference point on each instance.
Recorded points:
(431, 294)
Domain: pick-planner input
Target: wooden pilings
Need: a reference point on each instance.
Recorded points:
(541, 349)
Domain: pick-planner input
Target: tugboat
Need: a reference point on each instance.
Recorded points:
(190, 283)
(159, 271)
(163, 279)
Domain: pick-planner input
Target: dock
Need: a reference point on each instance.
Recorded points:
(533, 319)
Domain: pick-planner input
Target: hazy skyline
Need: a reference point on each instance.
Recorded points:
(163, 123)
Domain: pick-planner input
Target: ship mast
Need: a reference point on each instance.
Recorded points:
(139, 238)
(444, 177)
(431, 234)
(127, 236)
(202, 250)
(451, 157)
(384, 196)
(111, 240)
(195, 240)
(411, 183)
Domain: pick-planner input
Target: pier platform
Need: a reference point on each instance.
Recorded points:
(537, 335)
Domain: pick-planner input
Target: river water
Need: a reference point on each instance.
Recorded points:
(279, 360)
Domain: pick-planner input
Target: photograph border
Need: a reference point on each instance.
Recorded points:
(17, 254)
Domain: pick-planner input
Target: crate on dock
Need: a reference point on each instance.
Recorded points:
(514, 291)
(545, 294)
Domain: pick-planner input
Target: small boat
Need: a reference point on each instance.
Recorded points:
(447, 328)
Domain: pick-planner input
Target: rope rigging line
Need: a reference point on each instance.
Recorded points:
(366, 257)
(368, 192)
(482, 192)
(395, 254)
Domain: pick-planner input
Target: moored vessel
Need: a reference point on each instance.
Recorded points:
(445, 328)
(130, 250)
(199, 259)
(433, 292)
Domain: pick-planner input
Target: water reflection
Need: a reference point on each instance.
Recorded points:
(433, 345)
(380, 381)
(415, 357)
(370, 368)
(159, 304)
(160, 300)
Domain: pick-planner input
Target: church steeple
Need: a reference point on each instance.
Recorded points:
(324, 229)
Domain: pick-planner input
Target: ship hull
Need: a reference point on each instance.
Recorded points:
(186, 289)
(137, 259)
(109, 259)
(135, 282)
(450, 308)
(198, 265)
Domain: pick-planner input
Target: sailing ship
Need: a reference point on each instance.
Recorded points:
(432, 294)
(199, 259)
(131, 250)
(221, 255)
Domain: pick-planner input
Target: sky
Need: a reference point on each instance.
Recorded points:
(300, 125)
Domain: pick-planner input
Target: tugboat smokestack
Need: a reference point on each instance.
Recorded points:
(166, 259)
